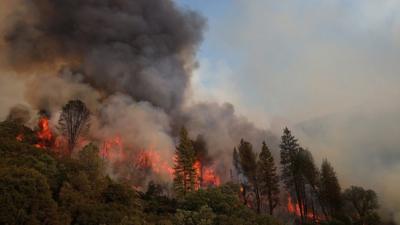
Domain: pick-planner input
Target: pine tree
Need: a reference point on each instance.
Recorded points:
(308, 179)
(330, 190)
(268, 178)
(289, 149)
(248, 165)
(236, 162)
(184, 172)
(291, 167)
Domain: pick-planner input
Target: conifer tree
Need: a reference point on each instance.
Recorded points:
(268, 178)
(291, 167)
(184, 171)
(236, 162)
(308, 179)
(330, 190)
(248, 164)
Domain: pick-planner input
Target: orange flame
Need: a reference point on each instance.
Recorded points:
(112, 150)
(44, 133)
(20, 137)
(206, 175)
(152, 160)
(210, 178)
(295, 209)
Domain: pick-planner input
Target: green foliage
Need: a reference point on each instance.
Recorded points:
(225, 204)
(10, 129)
(204, 216)
(363, 203)
(184, 172)
(289, 149)
(248, 160)
(37, 186)
(268, 178)
(90, 161)
(330, 190)
(20, 154)
(26, 198)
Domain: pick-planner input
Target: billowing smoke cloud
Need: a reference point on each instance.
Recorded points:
(223, 129)
(142, 48)
(129, 61)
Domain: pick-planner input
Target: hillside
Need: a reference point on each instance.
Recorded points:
(39, 187)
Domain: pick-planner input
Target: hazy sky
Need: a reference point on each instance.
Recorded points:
(328, 69)
(299, 59)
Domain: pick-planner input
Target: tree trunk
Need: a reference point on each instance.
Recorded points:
(258, 198)
(270, 203)
(299, 201)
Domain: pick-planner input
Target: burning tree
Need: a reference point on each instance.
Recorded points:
(248, 165)
(203, 158)
(291, 175)
(74, 121)
(184, 171)
(300, 175)
(44, 135)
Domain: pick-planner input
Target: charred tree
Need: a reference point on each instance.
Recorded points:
(201, 151)
(248, 165)
(73, 122)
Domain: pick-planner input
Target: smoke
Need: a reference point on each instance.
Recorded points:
(130, 62)
(141, 48)
(327, 69)
(19, 114)
(223, 129)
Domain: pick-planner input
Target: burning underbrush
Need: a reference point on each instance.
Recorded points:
(136, 165)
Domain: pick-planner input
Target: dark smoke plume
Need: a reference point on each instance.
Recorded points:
(130, 61)
(143, 48)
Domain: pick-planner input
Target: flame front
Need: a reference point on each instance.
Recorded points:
(20, 137)
(205, 176)
(114, 150)
(44, 134)
(295, 209)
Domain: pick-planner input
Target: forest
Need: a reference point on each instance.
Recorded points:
(43, 181)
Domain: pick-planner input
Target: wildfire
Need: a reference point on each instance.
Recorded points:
(20, 137)
(152, 159)
(210, 178)
(295, 209)
(44, 134)
(206, 176)
(113, 150)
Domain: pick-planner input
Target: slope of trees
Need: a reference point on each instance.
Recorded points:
(38, 186)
